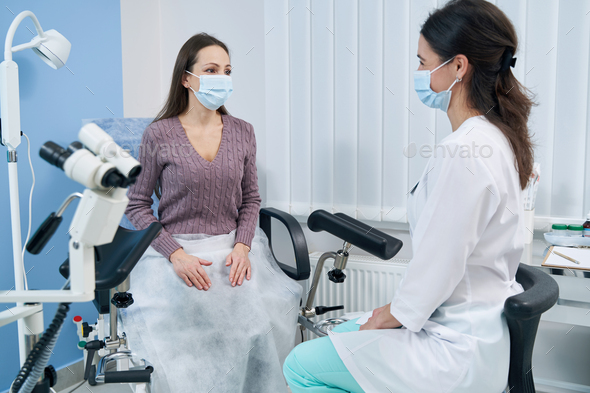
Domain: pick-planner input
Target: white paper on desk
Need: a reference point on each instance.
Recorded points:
(579, 254)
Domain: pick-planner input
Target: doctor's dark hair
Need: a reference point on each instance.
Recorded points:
(481, 32)
(177, 101)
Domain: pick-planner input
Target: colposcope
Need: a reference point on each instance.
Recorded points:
(106, 170)
(102, 166)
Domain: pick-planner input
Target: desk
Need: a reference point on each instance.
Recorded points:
(562, 346)
(573, 305)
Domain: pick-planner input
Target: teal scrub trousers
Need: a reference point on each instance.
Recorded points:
(315, 367)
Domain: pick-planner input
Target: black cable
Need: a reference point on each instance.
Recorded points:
(48, 335)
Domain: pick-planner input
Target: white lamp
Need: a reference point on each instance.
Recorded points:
(51, 46)
(54, 49)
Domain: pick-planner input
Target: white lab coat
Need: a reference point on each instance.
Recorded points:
(466, 222)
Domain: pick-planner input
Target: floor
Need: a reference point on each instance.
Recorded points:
(67, 384)
(111, 388)
(120, 388)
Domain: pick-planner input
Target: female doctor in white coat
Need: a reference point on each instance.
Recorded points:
(444, 330)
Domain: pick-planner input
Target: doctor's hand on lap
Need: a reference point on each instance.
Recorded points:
(240, 264)
(381, 319)
(190, 269)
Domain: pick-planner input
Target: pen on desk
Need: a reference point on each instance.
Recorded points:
(566, 257)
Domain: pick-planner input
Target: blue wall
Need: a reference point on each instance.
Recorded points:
(53, 103)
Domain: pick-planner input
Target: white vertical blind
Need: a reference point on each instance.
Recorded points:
(346, 104)
(569, 143)
(422, 125)
(396, 83)
(370, 110)
(345, 127)
(322, 100)
(278, 126)
(541, 53)
(300, 104)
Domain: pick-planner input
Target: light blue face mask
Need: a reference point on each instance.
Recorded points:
(428, 96)
(214, 90)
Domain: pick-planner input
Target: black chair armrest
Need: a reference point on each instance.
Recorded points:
(523, 314)
(536, 299)
(114, 261)
(297, 238)
(357, 233)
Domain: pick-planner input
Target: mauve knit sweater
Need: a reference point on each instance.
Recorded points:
(198, 196)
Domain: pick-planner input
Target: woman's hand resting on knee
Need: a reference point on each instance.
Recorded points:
(190, 269)
(240, 264)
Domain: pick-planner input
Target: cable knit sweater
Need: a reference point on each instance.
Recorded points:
(198, 196)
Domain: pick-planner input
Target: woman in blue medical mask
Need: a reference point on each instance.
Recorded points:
(444, 330)
(208, 291)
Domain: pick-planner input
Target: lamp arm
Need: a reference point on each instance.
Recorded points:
(33, 44)
(12, 30)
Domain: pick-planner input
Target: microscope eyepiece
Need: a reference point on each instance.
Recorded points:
(76, 145)
(54, 154)
(112, 178)
(94, 161)
(134, 172)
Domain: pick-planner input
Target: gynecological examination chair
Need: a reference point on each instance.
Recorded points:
(106, 347)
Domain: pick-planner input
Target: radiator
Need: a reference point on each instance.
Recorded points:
(370, 283)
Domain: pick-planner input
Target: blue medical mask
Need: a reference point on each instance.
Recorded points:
(214, 90)
(428, 96)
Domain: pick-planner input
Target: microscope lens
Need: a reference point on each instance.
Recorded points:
(54, 154)
(76, 145)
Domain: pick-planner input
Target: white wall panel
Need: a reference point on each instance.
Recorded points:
(300, 15)
(569, 144)
(141, 57)
(322, 100)
(397, 82)
(276, 27)
(358, 94)
(346, 106)
(541, 53)
(370, 127)
(302, 78)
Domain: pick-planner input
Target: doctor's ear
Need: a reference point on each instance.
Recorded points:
(460, 66)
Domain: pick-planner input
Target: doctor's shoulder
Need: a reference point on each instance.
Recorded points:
(478, 139)
(482, 152)
(472, 150)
